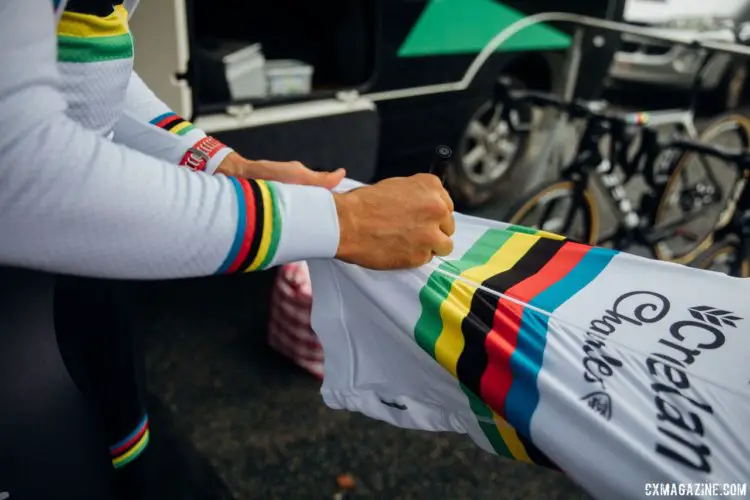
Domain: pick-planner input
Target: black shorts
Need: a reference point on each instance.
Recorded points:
(73, 423)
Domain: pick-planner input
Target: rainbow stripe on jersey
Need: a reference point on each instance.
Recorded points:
(495, 347)
(93, 31)
(131, 447)
(172, 122)
(258, 227)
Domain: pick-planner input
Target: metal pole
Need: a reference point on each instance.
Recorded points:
(573, 64)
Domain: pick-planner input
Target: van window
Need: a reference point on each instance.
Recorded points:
(335, 37)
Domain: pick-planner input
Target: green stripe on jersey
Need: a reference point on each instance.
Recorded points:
(72, 49)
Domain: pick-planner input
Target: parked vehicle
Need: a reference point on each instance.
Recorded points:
(370, 58)
(651, 62)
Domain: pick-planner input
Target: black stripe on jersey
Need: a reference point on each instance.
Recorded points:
(535, 454)
(258, 232)
(478, 323)
(99, 8)
(173, 122)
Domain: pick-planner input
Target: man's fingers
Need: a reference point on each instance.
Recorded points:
(296, 173)
(328, 180)
(443, 246)
(448, 225)
(447, 199)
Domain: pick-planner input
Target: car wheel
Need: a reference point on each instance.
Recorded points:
(486, 155)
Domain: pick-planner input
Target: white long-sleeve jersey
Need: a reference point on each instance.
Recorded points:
(88, 176)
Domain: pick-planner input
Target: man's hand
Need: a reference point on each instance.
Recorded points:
(288, 172)
(394, 224)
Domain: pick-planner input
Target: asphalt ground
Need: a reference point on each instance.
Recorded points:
(233, 420)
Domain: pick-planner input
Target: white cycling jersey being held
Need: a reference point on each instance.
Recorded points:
(622, 371)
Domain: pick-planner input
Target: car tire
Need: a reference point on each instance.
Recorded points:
(487, 155)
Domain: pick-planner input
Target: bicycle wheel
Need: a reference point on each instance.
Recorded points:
(559, 208)
(688, 200)
(725, 257)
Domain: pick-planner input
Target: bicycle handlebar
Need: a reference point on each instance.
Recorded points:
(509, 97)
(600, 122)
(578, 108)
(617, 123)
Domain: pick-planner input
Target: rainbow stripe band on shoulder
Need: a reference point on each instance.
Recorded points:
(172, 122)
(493, 346)
(131, 447)
(258, 227)
(99, 33)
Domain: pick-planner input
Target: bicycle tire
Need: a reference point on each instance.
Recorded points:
(714, 129)
(727, 248)
(566, 189)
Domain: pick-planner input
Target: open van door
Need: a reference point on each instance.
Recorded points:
(330, 126)
(371, 61)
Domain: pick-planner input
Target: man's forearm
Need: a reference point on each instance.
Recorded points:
(73, 202)
(148, 125)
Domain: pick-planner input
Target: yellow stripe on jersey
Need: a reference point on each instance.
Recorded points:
(89, 25)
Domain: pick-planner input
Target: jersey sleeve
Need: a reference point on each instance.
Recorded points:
(148, 125)
(74, 202)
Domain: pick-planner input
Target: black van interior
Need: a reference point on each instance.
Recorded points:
(336, 37)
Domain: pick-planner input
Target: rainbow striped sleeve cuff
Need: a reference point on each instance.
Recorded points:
(174, 123)
(190, 136)
(131, 447)
(258, 227)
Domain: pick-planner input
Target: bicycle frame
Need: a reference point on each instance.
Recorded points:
(682, 120)
(629, 222)
(585, 170)
(591, 166)
(609, 174)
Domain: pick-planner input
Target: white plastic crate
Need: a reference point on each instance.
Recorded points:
(245, 72)
(288, 77)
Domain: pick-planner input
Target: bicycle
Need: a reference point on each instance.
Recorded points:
(674, 171)
(687, 242)
(611, 174)
(730, 253)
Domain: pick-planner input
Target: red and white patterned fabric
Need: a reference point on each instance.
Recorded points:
(289, 330)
